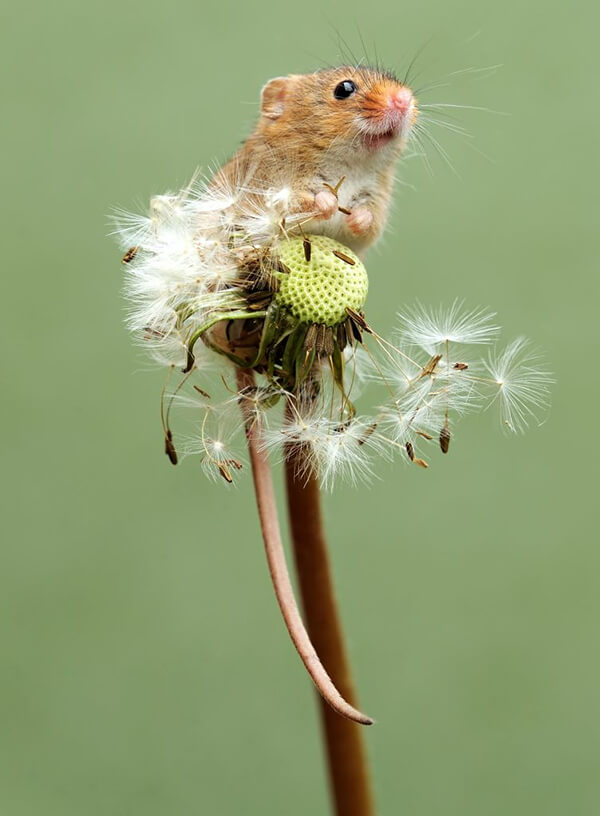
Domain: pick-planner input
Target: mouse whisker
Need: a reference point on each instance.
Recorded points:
(428, 105)
(453, 128)
(443, 153)
(416, 136)
(442, 82)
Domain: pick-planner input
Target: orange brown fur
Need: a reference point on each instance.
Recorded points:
(307, 140)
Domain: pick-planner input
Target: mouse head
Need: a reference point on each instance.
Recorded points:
(345, 109)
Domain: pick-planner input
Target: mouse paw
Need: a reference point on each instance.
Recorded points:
(326, 203)
(360, 220)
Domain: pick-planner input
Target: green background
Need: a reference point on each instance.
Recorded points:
(130, 683)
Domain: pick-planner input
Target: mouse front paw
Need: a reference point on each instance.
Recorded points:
(360, 220)
(326, 204)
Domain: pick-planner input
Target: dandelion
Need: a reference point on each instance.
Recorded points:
(224, 285)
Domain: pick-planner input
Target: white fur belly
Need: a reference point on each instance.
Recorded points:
(356, 187)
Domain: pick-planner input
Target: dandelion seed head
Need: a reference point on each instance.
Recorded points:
(214, 261)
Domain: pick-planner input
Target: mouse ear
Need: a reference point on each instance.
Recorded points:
(272, 97)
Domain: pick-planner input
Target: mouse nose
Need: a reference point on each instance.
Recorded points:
(401, 100)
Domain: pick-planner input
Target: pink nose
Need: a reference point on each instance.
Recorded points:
(401, 100)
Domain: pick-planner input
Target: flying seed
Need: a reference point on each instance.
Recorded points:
(461, 366)
(431, 365)
(202, 392)
(445, 437)
(344, 210)
(421, 463)
(170, 447)
(225, 472)
(150, 333)
(129, 255)
(410, 451)
(342, 427)
(346, 258)
(425, 435)
(369, 432)
(307, 249)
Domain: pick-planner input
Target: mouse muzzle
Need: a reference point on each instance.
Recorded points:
(390, 110)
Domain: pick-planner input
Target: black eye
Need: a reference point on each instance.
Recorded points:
(344, 89)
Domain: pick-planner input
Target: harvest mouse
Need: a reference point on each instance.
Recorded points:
(348, 125)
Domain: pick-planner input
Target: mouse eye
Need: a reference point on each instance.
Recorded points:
(344, 89)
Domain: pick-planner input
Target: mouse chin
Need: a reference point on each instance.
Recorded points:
(376, 141)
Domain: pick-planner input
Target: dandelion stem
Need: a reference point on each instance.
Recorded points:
(346, 754)
(267, 510)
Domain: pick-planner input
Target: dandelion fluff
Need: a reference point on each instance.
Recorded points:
(225, 250)
(432, 329)
(523, 384)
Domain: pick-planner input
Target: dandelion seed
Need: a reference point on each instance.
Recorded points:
(217, 459)
(307, 249)
(339, 453)
(523, 384)
(343, 257)
(129, 255)
(431, 365)
(445, 439)
(435, 328)
(170, 447)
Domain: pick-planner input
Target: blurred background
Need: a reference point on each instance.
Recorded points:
(130, 683)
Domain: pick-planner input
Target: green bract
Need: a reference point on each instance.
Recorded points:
(322, 289)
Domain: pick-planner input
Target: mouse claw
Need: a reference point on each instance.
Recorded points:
(360, 220)
(326, 204)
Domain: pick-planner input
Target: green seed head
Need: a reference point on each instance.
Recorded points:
(320, 290)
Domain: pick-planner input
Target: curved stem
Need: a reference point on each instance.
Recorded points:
(209, 324)
(267, 510)
(346, 754)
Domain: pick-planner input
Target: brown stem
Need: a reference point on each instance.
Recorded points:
(267, 510)
(346, 754)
